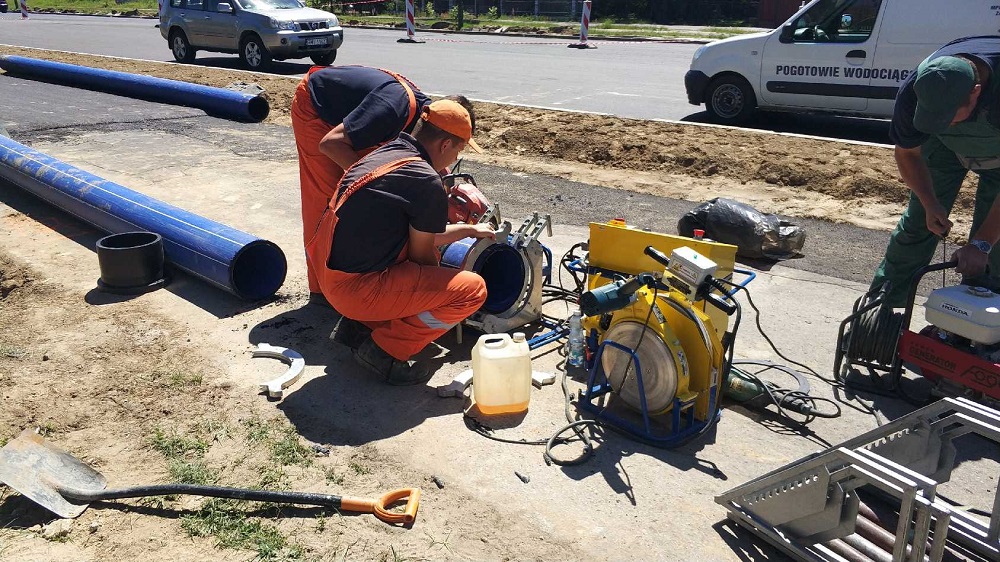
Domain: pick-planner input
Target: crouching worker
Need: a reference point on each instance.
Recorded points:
(375, 251)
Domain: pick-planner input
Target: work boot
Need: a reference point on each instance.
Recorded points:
(350, 333)
(319, 299)
(395, 372)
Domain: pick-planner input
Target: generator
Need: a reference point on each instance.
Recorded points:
(656, 331)
(958, 352)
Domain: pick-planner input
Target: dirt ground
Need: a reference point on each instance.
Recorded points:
(131, 387)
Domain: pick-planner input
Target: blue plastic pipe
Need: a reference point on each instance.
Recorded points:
(230, 259)
(215, 101)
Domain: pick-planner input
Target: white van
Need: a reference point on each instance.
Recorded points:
(846, 57)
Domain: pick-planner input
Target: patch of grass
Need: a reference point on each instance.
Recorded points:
(281, 440)
(175, 446)
(178, 379)
(155, 502)
(228, 523)
(359, 469)
(258, 430)
(333, 477)
(288, 450)
(11, 351)
(4, 440)
(217, 429)
(186, 472)
(272, 477)
(47, 429)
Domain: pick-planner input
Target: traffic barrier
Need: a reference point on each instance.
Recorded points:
(24, 10)
(411, 26)
(584, 26)
(220, 102)
(235, 261)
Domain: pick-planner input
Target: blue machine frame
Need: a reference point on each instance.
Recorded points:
(682, 421)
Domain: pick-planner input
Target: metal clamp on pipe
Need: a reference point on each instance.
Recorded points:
(511, 265)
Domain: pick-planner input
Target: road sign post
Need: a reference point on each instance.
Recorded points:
(584, 25)
(411, 26)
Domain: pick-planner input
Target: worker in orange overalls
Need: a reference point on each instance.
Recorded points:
(375, 251)
(338, 115)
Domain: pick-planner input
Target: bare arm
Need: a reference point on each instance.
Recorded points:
(455, 232)
(971, 260)
(337, 147)
(422, 249)
(917, 177)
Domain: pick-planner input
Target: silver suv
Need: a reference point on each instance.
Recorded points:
(259, 30)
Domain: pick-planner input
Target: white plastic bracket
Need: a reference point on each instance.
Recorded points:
(296, 364)
(457, 386)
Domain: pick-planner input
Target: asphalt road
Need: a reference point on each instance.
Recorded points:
(54, 111)
(643, 80)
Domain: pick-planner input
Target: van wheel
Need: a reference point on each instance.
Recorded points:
(324, 59)
(179, 45)
(253, 52)
(730, 100)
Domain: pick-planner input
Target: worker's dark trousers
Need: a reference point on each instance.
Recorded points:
(912, 246)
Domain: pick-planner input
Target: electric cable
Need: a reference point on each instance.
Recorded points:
(577, 425)
(554, 293)
(866, 408)
(568, 258)
(785, 398)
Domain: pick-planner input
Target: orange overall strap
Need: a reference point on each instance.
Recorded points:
(314, 69)
(321, 244)
(405, 83)
(382, 170)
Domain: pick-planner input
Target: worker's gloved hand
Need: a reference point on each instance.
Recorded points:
(971, 261)
(482, 231)
(937, 219)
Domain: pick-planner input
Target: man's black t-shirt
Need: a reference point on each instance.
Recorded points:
(374, 223)
(986, 48)
(372, 105)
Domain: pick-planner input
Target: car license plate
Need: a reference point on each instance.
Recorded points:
(316, 41)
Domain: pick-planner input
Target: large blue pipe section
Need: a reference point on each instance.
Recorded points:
(215, 101)
(232, 260)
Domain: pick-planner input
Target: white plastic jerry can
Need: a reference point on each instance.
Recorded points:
(501, 374)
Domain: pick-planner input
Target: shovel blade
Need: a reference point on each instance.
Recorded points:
(38, 469)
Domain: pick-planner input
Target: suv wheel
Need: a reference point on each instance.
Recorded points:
(730, 100)
(324, 59)
(253, 53)
(183, 51)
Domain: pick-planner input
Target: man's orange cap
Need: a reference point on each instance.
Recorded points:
(451, 117)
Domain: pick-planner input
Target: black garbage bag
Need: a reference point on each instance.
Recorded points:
(755, 234)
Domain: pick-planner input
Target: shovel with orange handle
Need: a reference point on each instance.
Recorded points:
(61, 483)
